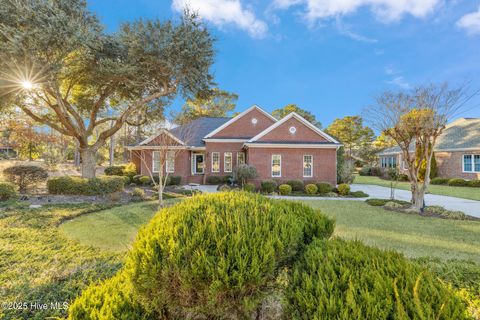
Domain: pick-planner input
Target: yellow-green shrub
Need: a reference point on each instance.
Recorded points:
(339, 279)
(324, 187)
(343, 189)
(212, 256)
(311, 189)
(7, 191)
(284, 189)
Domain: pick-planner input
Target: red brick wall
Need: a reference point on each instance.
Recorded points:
(324, 164)
(221, 148)
(244, 127)
(303, 133)
(449, 165)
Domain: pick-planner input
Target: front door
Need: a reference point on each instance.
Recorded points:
(198, 163)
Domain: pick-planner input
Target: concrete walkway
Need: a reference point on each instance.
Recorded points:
(470, 207)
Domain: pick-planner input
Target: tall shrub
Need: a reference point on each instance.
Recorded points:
(243, 173)
(25, 176)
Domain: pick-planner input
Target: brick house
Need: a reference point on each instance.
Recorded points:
(457, 151)
(290, 148)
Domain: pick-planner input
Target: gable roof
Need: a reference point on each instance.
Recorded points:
(162, 131)
(299, 118)
(240, 115)
(461, 134)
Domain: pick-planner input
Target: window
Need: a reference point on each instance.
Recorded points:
(156, 161)
(215, 162)
(471, 163)
(276, 165)
(198, 163)
(170, 165)
(240, 158)
(308, 166)
(389, 162)
(227, 162)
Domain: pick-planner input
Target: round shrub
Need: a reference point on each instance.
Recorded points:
(284, 189)
(7, 191)
(138, 194)
(297, 185)
(474, 183)
(224, 187)
(457, 182)
(242, 173)
(249, 187)
(208, 257)
(365, 171)
(145, 180)
(311, 189)
(439, 181)
(25, 177)
(215, 179)
(339, 279)
(343, 189)
(174, 180)
(324, 187)
(114, 170)
(268, 186)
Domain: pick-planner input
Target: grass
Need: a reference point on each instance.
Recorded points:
(459, 192)
(112, 229)
(39, 264)
(413, 235)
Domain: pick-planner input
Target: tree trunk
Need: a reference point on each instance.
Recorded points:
(418, 195)
(160, 187)
(88, 162)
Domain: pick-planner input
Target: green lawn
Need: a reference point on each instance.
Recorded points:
(113, 229)
(459, 192)
(413, 235)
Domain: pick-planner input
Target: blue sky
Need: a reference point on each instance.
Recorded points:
(331, 57)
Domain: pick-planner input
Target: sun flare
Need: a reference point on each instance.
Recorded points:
(27, 85)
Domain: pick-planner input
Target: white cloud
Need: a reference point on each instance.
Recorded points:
(224, 12)
(386, 10)
(346, 31)
(470, 22)
(396, 78)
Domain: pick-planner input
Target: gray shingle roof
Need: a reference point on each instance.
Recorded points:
(463, 133)
(192, 133)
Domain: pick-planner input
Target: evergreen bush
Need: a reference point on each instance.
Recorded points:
(339, 279)
(81, 186)
(474, 183)
(145, 180)
(268, 186)
(297, 185)
(324, 187)
(457, 182)
(249, 187)
(209, 257)
(311, 189)
(284, 189)
(7, 191)
(440, 181)
(25, 176)
(114, 170)
(343, 189)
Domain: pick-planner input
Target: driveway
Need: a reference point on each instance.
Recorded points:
(470, 207)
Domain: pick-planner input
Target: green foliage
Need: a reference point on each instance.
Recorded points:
(25, 176)
(457, 182)
(249, 187)
(7, 191)
(439, 181)
(268, 186)
(324, 187)
(358, 194)
(242, 173)
(423, 167)
(284, 189)
(343, 189)
(444, 213)
(138, 194)
(311, 188)
(174, 180)
(351, 132)
(297, 185)
(403, 177)
(283, 112)
(145, 180)
(474, 183)
(212, 256)
(209, 103)
(114, 170)
(224, 187)
(217, 179)
(337, 279)
(382, 202)
(81, 186)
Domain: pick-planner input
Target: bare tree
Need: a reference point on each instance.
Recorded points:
(415, 118)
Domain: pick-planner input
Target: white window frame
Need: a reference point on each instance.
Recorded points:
(170, 163)
(244, 159)
(157, 167)
(311, 166)
(218, 159)
(472, 157)
(271, 164)
(230, 167)
(194, 163)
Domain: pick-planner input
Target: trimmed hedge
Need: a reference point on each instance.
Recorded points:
(343, 189)
(358, 194)
(285, 189)
(381, 202)
(297, 185)
(249, 187)
(339, 279)
(25, 176)
(268, 186)
(311, 189)
(7, 191)
(439, 181)
(114, 170)
(474, 183)
(81, 186)
(457, 182)
(209, 257)
(324, 187)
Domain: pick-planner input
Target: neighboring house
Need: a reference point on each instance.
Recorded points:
(457, 151)
(290, 148)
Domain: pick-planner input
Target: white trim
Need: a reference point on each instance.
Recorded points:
(299, 118)
(211, 164)
(292, 145)
(473, 163)
(194, 163)
(158, 148)
(224, 162)
(155, 136)
(271, 166)
(311, 166)
(244, 157)
(153, 161)
(229, 122)
(172, 157)
(225, 140)
(435, 150)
